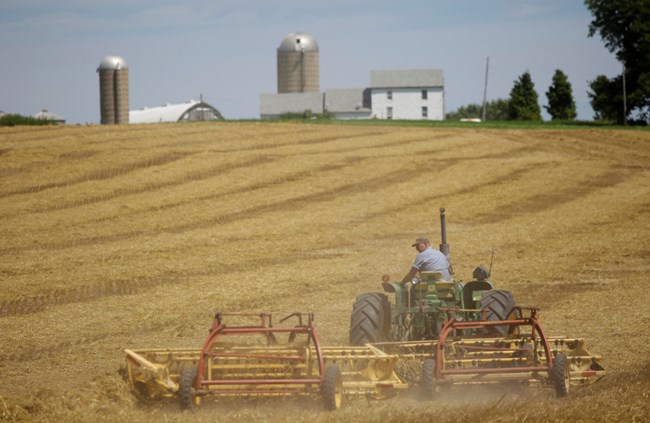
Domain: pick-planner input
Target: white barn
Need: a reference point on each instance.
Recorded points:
(189, 111)
(44, 114)
(408, 94)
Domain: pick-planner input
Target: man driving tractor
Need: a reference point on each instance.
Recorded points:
(428, 260)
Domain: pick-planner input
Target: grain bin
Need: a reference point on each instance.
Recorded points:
(113, 90)
(298, 64)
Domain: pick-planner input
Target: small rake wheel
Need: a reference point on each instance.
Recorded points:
(561, 375)
(185, 387)
(332, 389)
(428, 379)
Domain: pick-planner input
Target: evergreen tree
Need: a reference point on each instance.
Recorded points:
(523, 100)
(560, 98)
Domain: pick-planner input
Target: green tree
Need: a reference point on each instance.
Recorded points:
(495, 110)
(624, 26)
(523, 100)
(607, 98)
(561, 105)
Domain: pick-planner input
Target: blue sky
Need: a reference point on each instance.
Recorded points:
(226, 49)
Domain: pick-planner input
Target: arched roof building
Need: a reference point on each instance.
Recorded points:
(189, 111)
(44, 114)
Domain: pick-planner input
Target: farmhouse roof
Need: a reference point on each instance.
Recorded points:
(406, 78)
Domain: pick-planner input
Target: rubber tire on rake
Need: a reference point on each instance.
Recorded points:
(561, 375)
(185, 387)
(428, 379)
(370, 321)
(332, 388)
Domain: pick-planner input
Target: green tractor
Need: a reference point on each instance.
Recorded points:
(422, 306)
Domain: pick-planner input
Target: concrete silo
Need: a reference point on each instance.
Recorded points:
(298, 64)
(113, 90)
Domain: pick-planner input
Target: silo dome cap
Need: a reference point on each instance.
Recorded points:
(297, 41)
(112, 62)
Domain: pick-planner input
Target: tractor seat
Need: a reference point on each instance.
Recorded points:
(443, 288)
(431, 276)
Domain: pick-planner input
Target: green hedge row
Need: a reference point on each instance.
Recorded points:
(16, 120)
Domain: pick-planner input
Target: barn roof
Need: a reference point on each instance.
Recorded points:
(277, 104)
(190, 110)
(44, 114)
(345, 100)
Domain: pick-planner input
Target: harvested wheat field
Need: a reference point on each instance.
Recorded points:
(134, 236)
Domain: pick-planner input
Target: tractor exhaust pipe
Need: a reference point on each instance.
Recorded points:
(444, 247)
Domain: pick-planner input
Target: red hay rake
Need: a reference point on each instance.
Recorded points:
(262, 360)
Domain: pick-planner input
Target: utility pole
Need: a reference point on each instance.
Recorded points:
(487, 66)
(624, 99)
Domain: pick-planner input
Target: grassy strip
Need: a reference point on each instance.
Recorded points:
(577, 124)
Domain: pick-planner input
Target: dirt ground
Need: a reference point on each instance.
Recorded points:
(134, 236)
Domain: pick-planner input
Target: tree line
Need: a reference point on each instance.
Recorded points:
(16, 120)
(523, 102)
(624, 26)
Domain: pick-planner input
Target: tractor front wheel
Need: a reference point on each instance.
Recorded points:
(561, 375)
(332, 389)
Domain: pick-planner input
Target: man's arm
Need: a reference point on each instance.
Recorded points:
(410, 275)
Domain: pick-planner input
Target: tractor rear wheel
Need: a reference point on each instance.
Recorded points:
(370, 321)
(561, 375)
(185, 386)
(499, 305)
(428, 379)
(332, 389)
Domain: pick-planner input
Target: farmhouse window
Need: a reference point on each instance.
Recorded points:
(425, 111)
(389, 95)
(425, 94)
(389, 113)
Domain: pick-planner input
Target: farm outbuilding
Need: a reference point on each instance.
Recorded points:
(348, 103)
(339, 103)
(189, 111)
(273, 106)
(47, 115)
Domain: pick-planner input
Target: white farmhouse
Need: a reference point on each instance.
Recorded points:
(407, 94)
